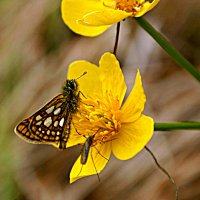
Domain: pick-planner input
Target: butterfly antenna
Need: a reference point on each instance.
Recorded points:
(84, 73)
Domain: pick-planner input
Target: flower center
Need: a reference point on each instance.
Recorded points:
(132, 6)
(99, 118)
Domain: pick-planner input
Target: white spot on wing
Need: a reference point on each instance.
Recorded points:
(48, 122)
(38, 118)
(55, 123)
(38, 123)
(61, 122)
(57, 111)
(53, 133)
(57, 133)
(49, 110)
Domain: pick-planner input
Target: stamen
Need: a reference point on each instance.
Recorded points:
(99, 117)
(132, 6)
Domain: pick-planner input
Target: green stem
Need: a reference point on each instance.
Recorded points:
(173, 53)
(176, 126)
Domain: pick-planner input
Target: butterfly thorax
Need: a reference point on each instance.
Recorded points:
(70, 87)
(71, 94)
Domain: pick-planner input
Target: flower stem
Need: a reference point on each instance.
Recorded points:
(116, 39)
(173, 53)
(176, 126)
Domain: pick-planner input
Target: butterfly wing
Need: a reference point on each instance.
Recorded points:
(49, 125)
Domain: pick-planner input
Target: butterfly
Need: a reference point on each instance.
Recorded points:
(52, 123)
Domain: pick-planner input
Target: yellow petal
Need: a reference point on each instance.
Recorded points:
(97, 159)
(107, 16)
(112, 77)
(74, 138)
(74, 10)
(133, 137)
(147, 6)
(89, 83)
(134, 105)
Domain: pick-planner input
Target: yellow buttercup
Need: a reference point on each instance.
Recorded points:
(93, 17)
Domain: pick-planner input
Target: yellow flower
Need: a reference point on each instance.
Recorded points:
(93, 17)
(113, 127)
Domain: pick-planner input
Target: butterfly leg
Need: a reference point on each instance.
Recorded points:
(79, 92)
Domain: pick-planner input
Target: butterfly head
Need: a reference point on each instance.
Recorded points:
(70, 87)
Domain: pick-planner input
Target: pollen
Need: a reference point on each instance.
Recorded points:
(132, 6)
(99, 118)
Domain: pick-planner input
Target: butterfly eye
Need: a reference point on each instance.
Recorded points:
(72, 84)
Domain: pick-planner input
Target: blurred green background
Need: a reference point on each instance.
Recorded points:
(35, 50)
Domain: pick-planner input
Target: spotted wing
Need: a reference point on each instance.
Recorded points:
(47, 126)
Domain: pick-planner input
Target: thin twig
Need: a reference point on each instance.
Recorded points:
(116, 39)
(164, 171)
